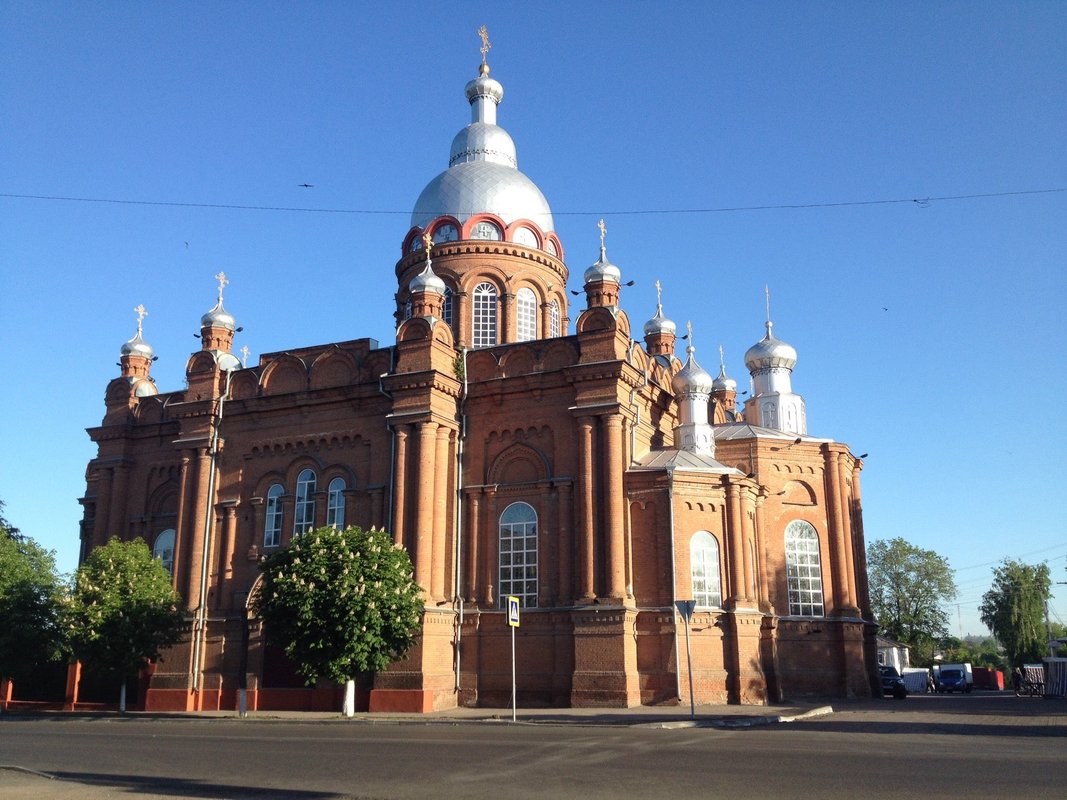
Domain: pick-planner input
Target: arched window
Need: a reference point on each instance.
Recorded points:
(163, 549)
(448, 311)
(526, 314)
(335, 503)
(555, 318)
(272, 528)
(304, 518)
(518, 554)
(704, 566)
(484, 321)
(803, 570)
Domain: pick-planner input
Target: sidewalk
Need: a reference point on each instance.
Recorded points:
(663, 716)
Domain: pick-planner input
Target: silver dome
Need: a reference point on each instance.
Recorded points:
(218, 317)
(427, 281)
(482, 175)
(482, 187)
(769, 352)
(691, 378)
(137, 347)
(723, 383)
(659, 324)
(603, 270)
(144, 387)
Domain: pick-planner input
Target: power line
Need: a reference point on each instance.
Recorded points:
(922, 202)
(1020, 555)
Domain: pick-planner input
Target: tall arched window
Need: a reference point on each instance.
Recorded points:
(704, 566)
(803, 570)
(518, 554)
(304, 518)
(526, 314)
(483, 333)
(554, 319)
(448, 311)
(272, 528)
(163, 549)
(335, 503)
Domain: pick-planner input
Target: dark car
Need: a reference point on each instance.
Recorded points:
(892, 683)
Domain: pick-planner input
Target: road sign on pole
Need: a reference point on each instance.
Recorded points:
(513, 621)
(513, 612)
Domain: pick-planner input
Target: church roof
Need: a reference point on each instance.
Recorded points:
(684, 461)
(742, 430)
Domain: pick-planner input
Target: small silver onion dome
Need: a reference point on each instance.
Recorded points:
(480, 141)
(137, 347)
(659, 324)
(723, 383)
(427, 281)
(770, 352)
(603, 270)
(218, 317)
(145, 387)
(691, 378)
(484, 86)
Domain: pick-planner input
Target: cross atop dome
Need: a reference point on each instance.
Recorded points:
(221, 278)
(141, 313)
(483, 33)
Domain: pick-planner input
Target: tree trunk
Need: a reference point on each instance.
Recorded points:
(122, 697)
(349, 708)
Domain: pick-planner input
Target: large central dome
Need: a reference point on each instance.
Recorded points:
(482, 177)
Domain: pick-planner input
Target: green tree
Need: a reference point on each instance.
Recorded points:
(123, 610)
(340, 603)
(1014, 610)
(908, 586)
(31, 598)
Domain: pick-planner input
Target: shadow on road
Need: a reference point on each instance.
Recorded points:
(182, 787)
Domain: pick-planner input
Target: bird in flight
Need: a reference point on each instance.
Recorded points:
(306, 185)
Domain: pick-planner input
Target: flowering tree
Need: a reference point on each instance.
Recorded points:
(123, 610)
(340, 603)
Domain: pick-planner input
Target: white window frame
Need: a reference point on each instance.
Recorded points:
(335, 503)
(803, 569)
(518, 567)
(704, 570)
(163, 549)
(272, 525)
(484, 318)
(554, 319)
(525, 314)
(304, 510)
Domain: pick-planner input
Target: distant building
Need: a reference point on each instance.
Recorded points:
(597, 478)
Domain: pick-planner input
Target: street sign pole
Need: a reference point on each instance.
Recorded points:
(513, 621)
(685, 608)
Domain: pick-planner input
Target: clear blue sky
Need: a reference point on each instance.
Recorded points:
(930, 335)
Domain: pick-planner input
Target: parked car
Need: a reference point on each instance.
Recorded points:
(892, 683)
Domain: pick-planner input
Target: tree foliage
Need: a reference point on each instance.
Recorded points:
(1014, 609)
(340, 602)
(908, 586)
(31, 598)
(123, 610)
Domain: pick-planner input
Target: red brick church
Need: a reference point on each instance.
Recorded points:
(515, 445)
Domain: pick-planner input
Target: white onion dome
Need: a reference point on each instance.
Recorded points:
(659, 324)
(137, 346)
(603, 270)
(427, 281)
(691, 378)
(218, 317)
(722, 382)
(770, 352)
(144, 387)
(482, 175)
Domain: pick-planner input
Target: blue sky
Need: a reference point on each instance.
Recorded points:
(923, 329)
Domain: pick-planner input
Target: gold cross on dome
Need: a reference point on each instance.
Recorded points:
(427, 240)
(483, 33)
(221, 278)
(244, 356)
(603, 232)
(141, 314)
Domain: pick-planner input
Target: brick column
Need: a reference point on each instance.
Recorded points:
(846, 529)
(586, 535)
(399, 480)
(838, 543)
(564, 510)
(547, 546)
(424, 489)
(761, 552)
(196, 533)
(438, 578)
(491, 561)
(101, 520)
(117, 512)
(471, 539)
(616, 520)
(863, 592)
(748, 525)
(229, 545)
(735, 556)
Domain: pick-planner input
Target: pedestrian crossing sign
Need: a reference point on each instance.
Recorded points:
(513, 612)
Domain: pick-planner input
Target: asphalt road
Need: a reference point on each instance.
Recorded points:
(945, 747)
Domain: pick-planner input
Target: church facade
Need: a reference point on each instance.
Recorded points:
(515, 446)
